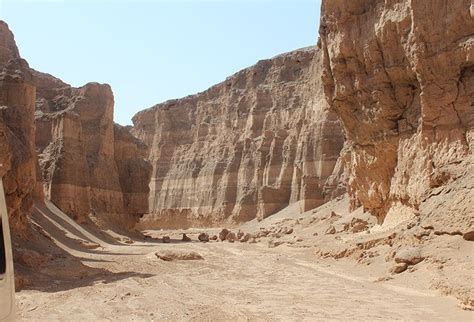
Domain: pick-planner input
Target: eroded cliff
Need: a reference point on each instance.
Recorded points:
(243, 149)
(83, 154)
(88, 166)
(17, 130)
(400, 76)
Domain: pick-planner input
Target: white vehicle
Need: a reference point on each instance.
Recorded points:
(7, 280)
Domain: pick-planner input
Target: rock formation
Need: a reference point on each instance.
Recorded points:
(245, 148)
(17, 130)
(400, 76)
(89, 164)
(133, 170)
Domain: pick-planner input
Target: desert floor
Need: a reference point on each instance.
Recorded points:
(233, 281)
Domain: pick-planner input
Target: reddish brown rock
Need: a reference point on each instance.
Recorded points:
(17, 131)
(185, 238)
(223, 234)
(203, 237)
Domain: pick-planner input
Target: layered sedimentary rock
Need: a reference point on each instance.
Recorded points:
(400, 76)
(87, 164)
(83, 153)
(244, 148)
(133, 169)
(17, 130)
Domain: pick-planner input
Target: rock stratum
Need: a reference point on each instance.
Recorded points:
(60, 142)
(400, 76)
(243, 149)
(17, 130)
(90, 166)
(382, 108)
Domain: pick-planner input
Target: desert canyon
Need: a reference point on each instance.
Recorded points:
(331, 182)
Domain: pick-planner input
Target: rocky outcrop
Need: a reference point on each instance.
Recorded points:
(8, 48)
(400, 76)
(90, 166)
(133, 170)
(244, 148)
(17, 130)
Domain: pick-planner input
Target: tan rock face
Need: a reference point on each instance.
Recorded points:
(83, 153)
(17, 130)
(400, 76)
(87, 164)
(8, 48)
(244, 148)
(133, 170)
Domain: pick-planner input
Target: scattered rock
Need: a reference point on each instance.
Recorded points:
(203, 237)
(399, 268)
(289, 231)
(409, 256)
(166, 239)
(262, 233)
(333, 216)
(331, 230)
(223, 234)
(469, 235)
(185, 238)
(245, 238)
(214, 237)
(358, 225)
(231, 237)
(240, 234)
(171, 255)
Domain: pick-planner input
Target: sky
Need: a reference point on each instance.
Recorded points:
(150, 51)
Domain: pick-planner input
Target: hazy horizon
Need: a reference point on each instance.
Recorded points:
(153, 51)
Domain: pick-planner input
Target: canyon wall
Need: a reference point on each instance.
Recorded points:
(90, 166)
(244, 148)
(17, 129)
(400, 76)
(60, 142)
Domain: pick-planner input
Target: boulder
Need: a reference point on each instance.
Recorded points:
(331, 230)
(223, 234)
(410, 256)
(245, 238)
(185, 238)
(203, 237)
(231, 237)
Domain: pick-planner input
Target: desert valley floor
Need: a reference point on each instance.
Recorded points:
(231, 281)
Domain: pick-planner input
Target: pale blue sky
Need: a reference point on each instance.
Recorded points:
(151, 51)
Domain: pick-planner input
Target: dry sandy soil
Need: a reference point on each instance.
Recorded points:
(233, 281)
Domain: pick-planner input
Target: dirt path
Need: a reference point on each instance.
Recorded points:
(234, 281)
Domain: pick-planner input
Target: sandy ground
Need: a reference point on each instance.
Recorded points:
(233, 281)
